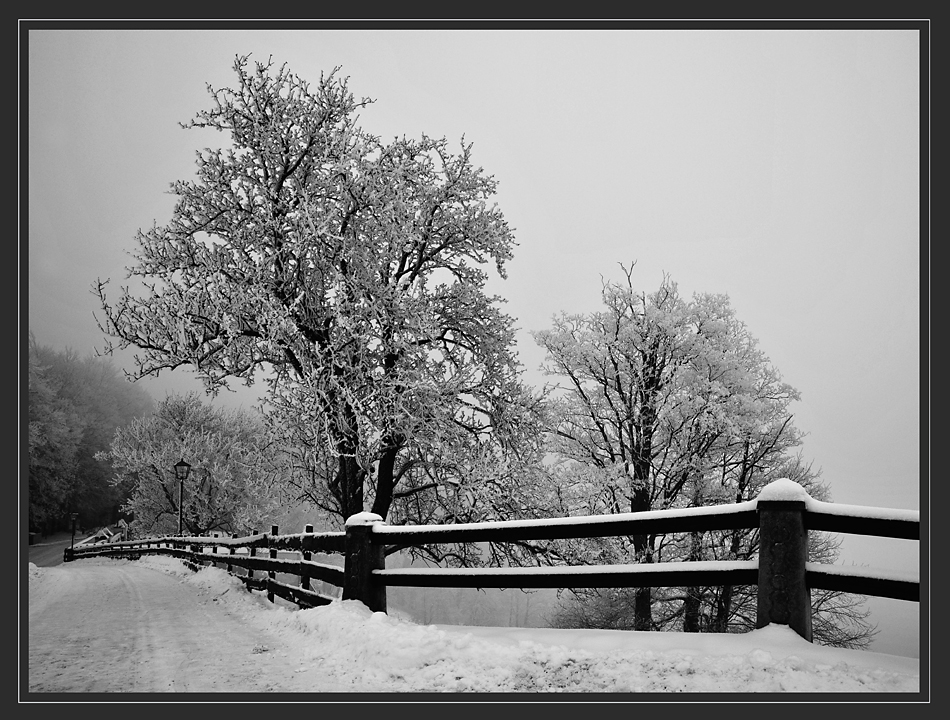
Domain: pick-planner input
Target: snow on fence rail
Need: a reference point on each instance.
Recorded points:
(783, 514)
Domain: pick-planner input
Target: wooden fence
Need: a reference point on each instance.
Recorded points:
(783, 513)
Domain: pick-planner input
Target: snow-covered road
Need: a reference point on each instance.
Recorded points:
(124, 628)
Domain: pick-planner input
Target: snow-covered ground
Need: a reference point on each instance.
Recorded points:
(353, 650)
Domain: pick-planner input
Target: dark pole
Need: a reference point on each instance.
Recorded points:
(181, 472)
(181, 491)
(68, 555)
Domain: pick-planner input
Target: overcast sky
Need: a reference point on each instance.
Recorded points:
(780, 167)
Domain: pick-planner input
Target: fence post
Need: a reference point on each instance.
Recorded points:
(783, 595)
(362, 557)
(305, 555)
(272, 554)
(230, 566)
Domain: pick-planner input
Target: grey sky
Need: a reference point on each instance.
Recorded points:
(780, 167)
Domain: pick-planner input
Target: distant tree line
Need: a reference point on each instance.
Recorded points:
(75, 406)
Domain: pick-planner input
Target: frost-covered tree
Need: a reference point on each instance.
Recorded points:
(665, 402)
(348, 273)
(234, 481)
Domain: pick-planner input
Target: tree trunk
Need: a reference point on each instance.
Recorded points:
(385, 480)
(691, 610)
(643, 609)
(693, 601)
(724, 601)
(640, 501)
(723, 608)
(643, 599)
(348, 485)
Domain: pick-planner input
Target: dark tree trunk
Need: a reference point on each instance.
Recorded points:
(691, 611)
(643, 609)
(347, 486)
(724, 601)
(691, 607)
(385, 477)
(643, 599)
(694, 595)
(723, 608)
(392, 443)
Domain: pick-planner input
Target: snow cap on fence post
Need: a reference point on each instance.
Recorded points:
(361, 558)
(363, 518)
(783, 489)
(783, 594)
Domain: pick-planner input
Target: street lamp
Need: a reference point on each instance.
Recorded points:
(181, 472)
(72, 542)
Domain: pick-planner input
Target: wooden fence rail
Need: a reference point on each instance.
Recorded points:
(783, 513)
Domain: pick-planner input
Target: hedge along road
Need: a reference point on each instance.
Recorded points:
(101, 626)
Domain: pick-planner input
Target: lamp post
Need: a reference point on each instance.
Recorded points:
(72, 542)
(181, 472)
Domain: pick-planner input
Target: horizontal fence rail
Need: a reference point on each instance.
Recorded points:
(656, 522)
(667, 574)
(783, 513)
(862, 582)
(904, 528)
